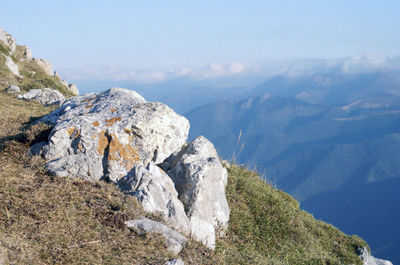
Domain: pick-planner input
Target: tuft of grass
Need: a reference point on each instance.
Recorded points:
(4, 49)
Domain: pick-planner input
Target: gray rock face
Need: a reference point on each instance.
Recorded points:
(200, 181)
(46, 96)
(12, 66)
(8, 40)
(45, 65)
(107, 134)
(368, 259)
(13, 89)
(175, 241)
(156, 192)
(73, 89)
(175, 262)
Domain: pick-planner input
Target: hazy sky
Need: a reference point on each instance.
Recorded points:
(156, 36)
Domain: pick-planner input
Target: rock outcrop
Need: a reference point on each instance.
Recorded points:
(8, 40)
(119, 136)
(73, 89)
(18, 59)
(368, 259)
(46, 96)
(44, 65)
(156, 192)
(106, 135)
(200, 181)
(175, 241)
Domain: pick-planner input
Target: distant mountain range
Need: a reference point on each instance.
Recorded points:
(319, 137)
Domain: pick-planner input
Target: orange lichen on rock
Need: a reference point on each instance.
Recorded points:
(80, 147)
(113, 110)
(124, 151)
(89, 99)
(110, 122)
(127, 131)
(95, 123)
(73, 131)
(88, 106)
(103, 142)
(117, 150)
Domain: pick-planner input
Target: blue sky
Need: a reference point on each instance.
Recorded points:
(149, 38)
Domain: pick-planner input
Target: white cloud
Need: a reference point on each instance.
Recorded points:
(289, 67)
(237, 67)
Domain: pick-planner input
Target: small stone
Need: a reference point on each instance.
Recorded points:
(175, 262)
(13, 89)
(175, 241)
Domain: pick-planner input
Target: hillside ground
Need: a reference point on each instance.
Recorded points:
(50, 220)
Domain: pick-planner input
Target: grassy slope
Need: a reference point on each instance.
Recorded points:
(47, 220)
(32, 75)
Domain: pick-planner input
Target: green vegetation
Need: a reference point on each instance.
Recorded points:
(47, 220)
(33, 77)
(267, 227)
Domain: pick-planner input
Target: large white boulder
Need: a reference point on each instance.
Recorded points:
(200, 180)
(156, 192)
(368, 259)
(107, 134)
(175, 241)
(46, 96)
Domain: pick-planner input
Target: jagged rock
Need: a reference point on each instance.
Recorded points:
(73, 89)
(175, 262)
(63, 82)
(156, 192)
(12, 66)
(45, 65)
(368, 259)
(26, 52)
(46, 96)
(107, 134)
(13, 89)
(175, 241)
(8, 40)
(200, 181)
